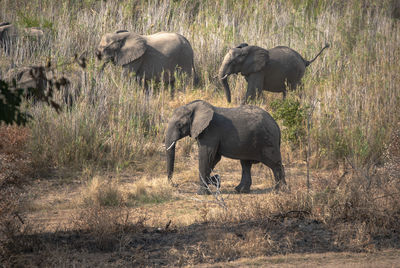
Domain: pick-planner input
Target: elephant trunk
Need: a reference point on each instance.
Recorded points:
(223, 76)
(170, 142)
(226, 88)
(170, 161)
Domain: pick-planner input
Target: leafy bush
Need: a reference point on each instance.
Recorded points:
(10, 105)
(292, 116)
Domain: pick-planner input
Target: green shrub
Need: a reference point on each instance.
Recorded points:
(292, 116)
(10, 105)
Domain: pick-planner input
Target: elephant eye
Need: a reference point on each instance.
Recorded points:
(179, 125)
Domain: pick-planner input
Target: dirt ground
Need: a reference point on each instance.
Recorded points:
(178, 231)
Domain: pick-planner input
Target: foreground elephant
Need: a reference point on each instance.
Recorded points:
(263, 69)
(149, 56)
(247, 133)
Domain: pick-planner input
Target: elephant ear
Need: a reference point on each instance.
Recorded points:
(255, 60)
(132, 48)
(202, 115)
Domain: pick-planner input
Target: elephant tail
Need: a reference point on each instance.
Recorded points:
(308, 62)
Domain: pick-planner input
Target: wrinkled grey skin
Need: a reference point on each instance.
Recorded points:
(148, 55)
(263, 69)
(10, 33)
(30, 77)
(246, 133)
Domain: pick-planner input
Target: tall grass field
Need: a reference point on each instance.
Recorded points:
(353, 85)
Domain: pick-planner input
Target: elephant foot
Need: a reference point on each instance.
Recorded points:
(215, 180)
(280, 186)
(203, 191)
(242, 189)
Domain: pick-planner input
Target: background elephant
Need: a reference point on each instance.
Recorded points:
(39, 77)
(264, 69)
(247, 133)
(148, 55)
(9, 33)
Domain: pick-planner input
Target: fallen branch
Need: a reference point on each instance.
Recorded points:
(219, 200)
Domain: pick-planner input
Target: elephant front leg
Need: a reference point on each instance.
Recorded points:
(208, 158)
(245, 182)
(254, 84)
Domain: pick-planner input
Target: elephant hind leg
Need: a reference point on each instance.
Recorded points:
(278, 170)
(279, 174)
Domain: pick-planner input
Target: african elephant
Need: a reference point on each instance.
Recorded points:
(39, 77)
(10, 33)
(149, 56)
(264, 69)
(247, 133)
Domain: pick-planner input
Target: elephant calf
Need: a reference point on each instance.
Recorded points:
(264, 69)
(247, 133)
(155, 56)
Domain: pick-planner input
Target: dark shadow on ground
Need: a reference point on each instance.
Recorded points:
(170, 246)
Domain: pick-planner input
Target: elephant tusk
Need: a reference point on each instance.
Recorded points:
(224, 77)
(172, 144)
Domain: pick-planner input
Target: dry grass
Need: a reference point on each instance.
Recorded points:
(108, 192)
(99, 192)
(337, 215)
(113, 126)
(151, 191)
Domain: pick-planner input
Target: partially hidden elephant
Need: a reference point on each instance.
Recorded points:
(9, 33)
(39, 77)
(247, 133)
(264, 69)
(149, 56)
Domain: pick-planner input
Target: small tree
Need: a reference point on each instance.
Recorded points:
(293, 116)
(10, 101)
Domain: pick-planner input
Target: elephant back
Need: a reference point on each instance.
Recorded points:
(171, 50)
